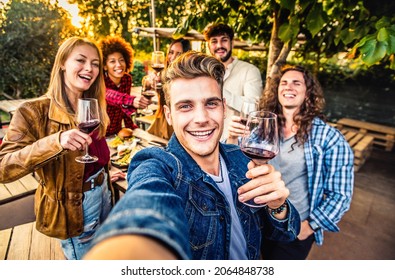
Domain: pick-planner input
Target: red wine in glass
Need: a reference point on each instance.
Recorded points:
(158, 67)
(260, 141)
(259, 156)
(87, 119)
(158, 64)
(147, 91)
(249, 105)
(148, 94)
(88, 126)
(158, 61)
(243, 121)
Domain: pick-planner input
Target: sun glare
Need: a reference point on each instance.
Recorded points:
(73, 10)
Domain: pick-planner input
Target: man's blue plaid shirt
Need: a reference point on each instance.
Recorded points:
(330, 168)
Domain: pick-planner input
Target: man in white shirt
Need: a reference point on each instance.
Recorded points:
(241, 80)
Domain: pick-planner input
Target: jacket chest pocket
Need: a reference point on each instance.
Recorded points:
(203, 216)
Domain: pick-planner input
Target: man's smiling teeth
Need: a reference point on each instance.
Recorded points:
(201, 133)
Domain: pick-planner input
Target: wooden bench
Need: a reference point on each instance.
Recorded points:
(24, 242)
(19, 239)
(145, 121)
(361, 145)
(384, 136)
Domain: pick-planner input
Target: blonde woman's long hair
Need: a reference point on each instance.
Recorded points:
(57, 87)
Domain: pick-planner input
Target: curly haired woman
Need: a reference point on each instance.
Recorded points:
(117, 62)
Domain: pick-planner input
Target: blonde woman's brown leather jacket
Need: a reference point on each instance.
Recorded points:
(32, 143)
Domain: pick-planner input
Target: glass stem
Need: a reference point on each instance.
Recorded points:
(86, 151)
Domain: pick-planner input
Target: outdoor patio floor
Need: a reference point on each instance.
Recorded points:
(367, 229)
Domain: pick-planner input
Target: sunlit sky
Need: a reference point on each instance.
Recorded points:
(71, 8)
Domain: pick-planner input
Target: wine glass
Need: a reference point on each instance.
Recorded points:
(158, 64)
(260, 141)
(148, 91)
(88, 119)
(249, 105)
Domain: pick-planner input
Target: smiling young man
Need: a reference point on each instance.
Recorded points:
(185, 201)
(241, 79)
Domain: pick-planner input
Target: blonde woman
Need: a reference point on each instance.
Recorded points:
(72, 199)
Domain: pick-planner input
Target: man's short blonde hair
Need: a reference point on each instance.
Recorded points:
(191, 65)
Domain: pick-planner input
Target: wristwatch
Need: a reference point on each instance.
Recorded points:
(314, 225)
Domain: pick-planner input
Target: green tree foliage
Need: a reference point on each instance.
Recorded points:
(324, 27)
(110, 17)
(29, 38)
(138, 73)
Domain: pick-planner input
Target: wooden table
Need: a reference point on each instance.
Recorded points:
(9, 106)
(19, 239)
(17, 202)
(144, 122)
(24, 242)
(18, 187)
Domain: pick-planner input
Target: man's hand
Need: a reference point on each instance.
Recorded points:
(235, 129)
(265, 187)
(305, 230)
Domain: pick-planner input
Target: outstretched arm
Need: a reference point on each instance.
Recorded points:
(126, 101)
(130, 247)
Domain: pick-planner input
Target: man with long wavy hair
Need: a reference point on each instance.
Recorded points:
(315, 161)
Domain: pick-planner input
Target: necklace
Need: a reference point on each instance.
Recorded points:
(220, 171)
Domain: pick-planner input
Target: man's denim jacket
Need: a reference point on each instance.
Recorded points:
(171, 199)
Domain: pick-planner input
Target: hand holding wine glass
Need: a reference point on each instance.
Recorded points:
(158, 61)
(260, 141)
(148, 91)
(249, 105)
(88, 119)
(237, 124)
(158, 64)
